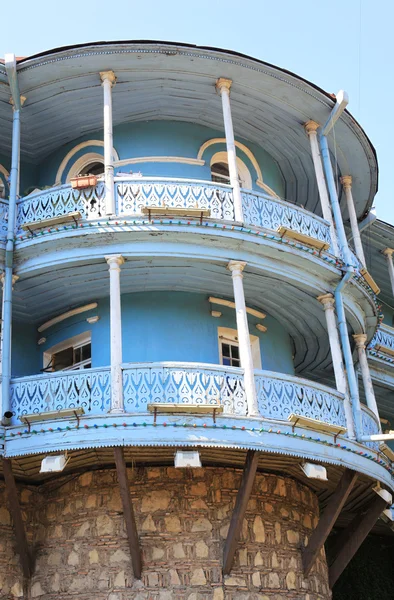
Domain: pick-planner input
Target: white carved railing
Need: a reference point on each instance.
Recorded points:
(59, 201)
(134, 194)
(88, 389)
(370, 425)
(383, 338)
(3, 219)
(279, 395)
(265, 211)
(183, 383)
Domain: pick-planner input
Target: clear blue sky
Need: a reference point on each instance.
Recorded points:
(339, 44)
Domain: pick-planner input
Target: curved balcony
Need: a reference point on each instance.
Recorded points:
(278, 394)
(381, 346)
(134, 194)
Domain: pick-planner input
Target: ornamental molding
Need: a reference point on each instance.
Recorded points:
(76, 149)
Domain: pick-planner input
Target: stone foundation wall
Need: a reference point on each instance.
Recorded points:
(76, 527)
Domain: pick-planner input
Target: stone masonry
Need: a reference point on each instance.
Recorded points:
(76, 530)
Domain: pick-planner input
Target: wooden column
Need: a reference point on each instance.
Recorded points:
(327, 520)
(128, 512)
(248, 476)
(350, 540)
(16, 513)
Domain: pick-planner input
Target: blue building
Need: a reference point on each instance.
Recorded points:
(191, 272)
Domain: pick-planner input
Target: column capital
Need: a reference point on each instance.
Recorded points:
(223, 84)
(388, 251)
(236, 265)
(108, 76)
(360, 339)
(14, 279)
(114, 260)
(346, 181)
(327, 300)
(311, 127)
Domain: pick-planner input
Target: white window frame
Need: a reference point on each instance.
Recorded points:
(226, 334)
(82, 162)
(245, 178)
(74, 342)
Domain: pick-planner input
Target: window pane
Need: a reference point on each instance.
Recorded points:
(226, 361)
(77, 355)
(235, 351)
(63, 359)
(226, 350)
(86, 351)
(235, 362)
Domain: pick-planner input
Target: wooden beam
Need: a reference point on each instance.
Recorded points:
(248, 475)
(350, 540)
(128, 512)
(19, 526)
(327, 520)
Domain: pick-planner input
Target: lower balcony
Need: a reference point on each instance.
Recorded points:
(279, 395)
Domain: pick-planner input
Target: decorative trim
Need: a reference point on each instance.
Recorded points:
(66, 315)
(82, 162)
(76, 149)
(4, 171)
(230, 304)
(159, 159)
(249, 154)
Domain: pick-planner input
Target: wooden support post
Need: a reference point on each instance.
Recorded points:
(327, 520)
(350, 540)
(250, 468)
(128, 512)
(16, 513)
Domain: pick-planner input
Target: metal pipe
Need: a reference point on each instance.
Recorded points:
(10, 64)
(377, 437)
(342, 101)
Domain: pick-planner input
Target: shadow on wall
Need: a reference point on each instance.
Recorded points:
(370, 575)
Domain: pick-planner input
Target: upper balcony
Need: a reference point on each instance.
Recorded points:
(203, 201)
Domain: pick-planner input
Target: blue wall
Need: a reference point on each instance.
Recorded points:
(157, 326)
(164, 138)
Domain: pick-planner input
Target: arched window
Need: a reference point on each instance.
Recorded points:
(2, 189)
(91, 163)
(220, 171)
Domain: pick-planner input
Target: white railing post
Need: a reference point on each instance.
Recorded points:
(108, 78)
(360, 339)
(245, 351)
(311, 128)
(115, 261)
(328, 302)
(346, 181)
(388, 252)
(223, 88)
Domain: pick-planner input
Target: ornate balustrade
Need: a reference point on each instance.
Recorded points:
(58, 201)
(3, 219)
(88, 389)
(183, 383)
(370, 426)
(383, 341)
(132, 194)
(279, 395)
(271, 213)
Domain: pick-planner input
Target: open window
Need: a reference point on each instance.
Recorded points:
(91, 163)
(229, 348)
(71, 355)
(220, 171)
(93, 168)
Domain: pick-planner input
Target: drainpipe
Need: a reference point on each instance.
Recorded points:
(17, 102)
(342, 102)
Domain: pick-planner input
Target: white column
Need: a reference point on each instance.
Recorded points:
(388, 252)
(360, 339)
(223, 88)
(114, 262)
(108, 78)
(311, 128)
(245, 351)
(346, 181)
(2, 279)
(328, 302)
